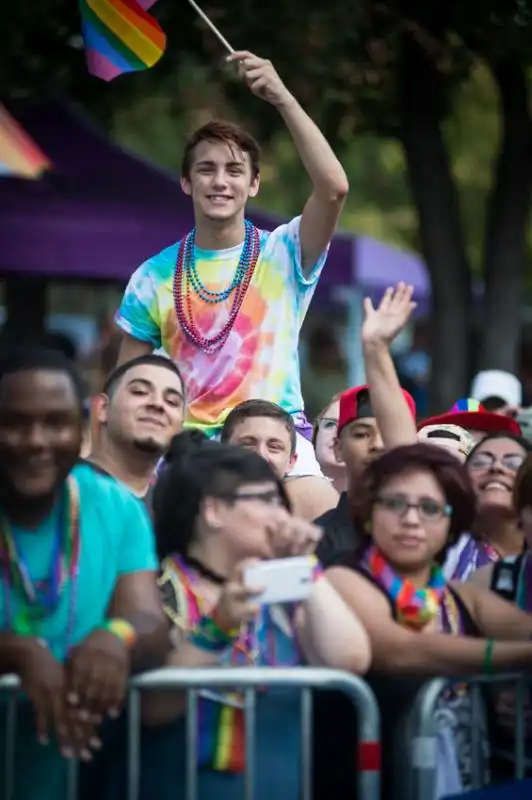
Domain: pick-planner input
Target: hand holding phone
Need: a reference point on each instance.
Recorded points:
(282, 580)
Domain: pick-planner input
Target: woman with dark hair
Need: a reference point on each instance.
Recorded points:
(511, 578)
(492, 466)
(413, 503)
(217, 509)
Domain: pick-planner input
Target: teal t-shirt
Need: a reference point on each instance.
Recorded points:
(116, 539)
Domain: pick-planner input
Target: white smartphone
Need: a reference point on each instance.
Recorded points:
(284, 580)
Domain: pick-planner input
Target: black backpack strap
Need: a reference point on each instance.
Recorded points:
(505, 577)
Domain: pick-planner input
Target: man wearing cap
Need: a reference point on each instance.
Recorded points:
(498, 391)
(358, 441)
(370, 419)
(474, 418)
(453, 438)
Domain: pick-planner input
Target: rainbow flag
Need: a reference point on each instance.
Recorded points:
(20, 156)
(120, 36)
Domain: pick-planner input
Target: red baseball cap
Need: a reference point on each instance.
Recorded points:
(355, 403)
(471, 415)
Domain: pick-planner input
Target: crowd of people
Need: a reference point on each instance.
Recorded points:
(128, 551)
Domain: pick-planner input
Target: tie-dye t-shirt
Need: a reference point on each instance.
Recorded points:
(260, 357)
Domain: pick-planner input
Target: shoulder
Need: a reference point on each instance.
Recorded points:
(285, 236)
(102, 492)
(158, 268)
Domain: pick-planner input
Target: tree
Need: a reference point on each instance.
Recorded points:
(391, 69)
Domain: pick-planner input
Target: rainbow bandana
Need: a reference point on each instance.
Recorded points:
(221, 720)
(415, 608)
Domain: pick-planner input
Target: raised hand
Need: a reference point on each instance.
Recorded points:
(382, 324)
(261, 77)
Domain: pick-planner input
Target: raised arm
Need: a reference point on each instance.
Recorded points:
(381, 326)
(130, 348)
(329, 181)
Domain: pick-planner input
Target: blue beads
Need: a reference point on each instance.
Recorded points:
(191, 271)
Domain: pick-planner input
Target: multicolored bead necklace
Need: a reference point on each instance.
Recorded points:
(35, 605)
(187, 282)
(415, 608)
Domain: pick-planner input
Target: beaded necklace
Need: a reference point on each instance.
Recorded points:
(415, 608)
(36, 605)
(187, 282)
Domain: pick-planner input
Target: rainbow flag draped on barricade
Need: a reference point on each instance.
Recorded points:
(120, 36)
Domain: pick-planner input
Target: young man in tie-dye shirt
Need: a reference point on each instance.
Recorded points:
(259, 357)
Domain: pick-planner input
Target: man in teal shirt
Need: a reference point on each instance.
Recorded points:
(79, 607)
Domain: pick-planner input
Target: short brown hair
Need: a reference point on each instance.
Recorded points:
(523, 486)
(226, 132)
(446, 468)
(251, 409)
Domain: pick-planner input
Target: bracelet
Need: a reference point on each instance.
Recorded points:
(488, 657)
(209, 636)
(122, 629)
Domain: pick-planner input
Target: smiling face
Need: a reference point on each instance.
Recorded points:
(40, 432)
(220, 181)
(493, 468)
(145, 410)
(270, 438)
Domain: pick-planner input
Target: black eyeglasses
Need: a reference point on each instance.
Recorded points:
(485, 460)
(429, 510)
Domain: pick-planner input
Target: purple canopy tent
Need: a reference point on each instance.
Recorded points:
(103, 211)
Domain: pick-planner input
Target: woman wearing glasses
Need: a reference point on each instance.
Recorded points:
(413, 502)
(323, 438)
(493, 466)
(217, 507)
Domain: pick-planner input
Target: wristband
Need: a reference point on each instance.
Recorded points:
(209, 636)
(123, 630)
(488, 657)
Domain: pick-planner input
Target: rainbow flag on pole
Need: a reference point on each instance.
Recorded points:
(20, 156)
(120, 36)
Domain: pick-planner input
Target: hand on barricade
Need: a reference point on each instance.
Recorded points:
(42, 678)
(237, 603)
(97, 674)
(291, 536)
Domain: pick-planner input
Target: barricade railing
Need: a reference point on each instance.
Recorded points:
(248, 680)
(10, 684)
(424, 725)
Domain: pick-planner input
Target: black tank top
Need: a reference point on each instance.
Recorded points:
(334, 769)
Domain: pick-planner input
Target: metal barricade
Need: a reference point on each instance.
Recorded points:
(424, 726)
(249, 680)
(10, 684)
